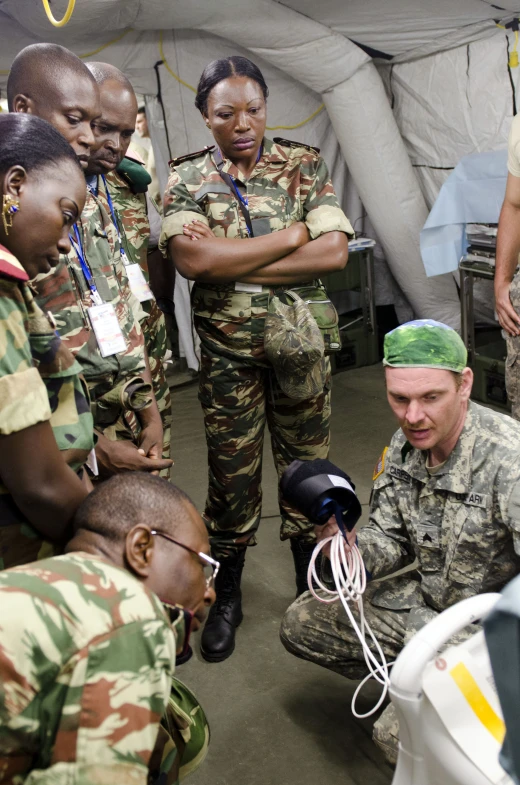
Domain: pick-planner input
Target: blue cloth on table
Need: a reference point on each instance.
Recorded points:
(473, 193)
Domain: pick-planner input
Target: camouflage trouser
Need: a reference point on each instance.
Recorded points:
(322, 634)
(513, 355)
(238, 397)
(154, 331)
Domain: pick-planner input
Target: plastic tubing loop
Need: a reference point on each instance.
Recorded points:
(350, 582)
(66, 17)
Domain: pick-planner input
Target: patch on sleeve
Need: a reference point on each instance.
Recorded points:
(380, 465)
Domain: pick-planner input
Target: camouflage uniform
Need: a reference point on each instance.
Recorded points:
(65, 292)
(39, 381)
(513, 354)
(87, 655)
(462, 524)
(513, 343)
(130, 209)
(238, 388)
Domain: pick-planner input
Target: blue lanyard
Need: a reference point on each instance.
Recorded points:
(243, 199)
(114, 217)
(111, 206)
(78, 247)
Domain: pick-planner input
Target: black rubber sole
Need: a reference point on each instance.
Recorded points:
(221, 656)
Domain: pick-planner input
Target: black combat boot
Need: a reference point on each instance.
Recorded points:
(218, 638)
(302, 552)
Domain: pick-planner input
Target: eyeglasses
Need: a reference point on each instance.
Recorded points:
(209, 565)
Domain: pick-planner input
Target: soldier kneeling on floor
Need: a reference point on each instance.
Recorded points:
(89, 642)
(446, 493)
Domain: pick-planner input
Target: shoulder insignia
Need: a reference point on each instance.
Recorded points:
(134, 174)
(291, 143)
(191, 156)
(380, 465)
(10, 266)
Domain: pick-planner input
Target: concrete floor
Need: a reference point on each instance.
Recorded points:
(277, 720)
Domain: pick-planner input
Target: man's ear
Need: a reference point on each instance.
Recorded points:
(23, 104)
(139, 550)
(14, 180)
(467, 384)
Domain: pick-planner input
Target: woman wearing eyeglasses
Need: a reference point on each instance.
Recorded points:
(244, 218)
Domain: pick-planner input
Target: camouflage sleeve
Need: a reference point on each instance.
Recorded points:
(23, 396)
(384, 542)
(321, 207)
(179, 208)
(511, 510)
(107, 722)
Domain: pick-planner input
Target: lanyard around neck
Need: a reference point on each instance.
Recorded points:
(77, 244)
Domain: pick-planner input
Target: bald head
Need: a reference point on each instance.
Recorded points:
(102, 72)
(115, 127)
(131, 519)
(117, 505)
(50, 82)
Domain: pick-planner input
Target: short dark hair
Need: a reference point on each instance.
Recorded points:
(141, 110)
(218, 70)
(29, 141)
(123, 501)
(38, 67)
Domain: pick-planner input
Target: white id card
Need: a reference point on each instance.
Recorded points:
(137, 281)
(107, 330)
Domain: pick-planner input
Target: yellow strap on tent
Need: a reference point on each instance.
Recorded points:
(66, 16)
(194, 90)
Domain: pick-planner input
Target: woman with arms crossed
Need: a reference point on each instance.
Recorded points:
(46, 429)
(291, 231)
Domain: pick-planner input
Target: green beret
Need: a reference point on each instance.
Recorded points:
(425, 343)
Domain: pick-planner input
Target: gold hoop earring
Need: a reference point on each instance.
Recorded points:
(10, 206)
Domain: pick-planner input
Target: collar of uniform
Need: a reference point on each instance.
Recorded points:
(271, 154)
(116, 180)
(455, 475)
(9, 265)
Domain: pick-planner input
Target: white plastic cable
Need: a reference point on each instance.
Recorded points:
(350, 582)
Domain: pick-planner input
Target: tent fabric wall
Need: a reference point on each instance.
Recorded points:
(308, 55)
(453, 104)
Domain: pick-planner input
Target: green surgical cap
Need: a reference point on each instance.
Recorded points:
(425, 343)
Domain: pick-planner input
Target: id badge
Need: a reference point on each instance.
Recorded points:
(137, 281)
(106, 328)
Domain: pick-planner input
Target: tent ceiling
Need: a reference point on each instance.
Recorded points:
(399, 26)
(394, 27)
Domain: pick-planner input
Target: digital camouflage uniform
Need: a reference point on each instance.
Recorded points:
(134, 228)
(39, 381)
(462, 524)
(513, 355)
(238, 388)
(65, 292)
(513, 342)
(87, 656)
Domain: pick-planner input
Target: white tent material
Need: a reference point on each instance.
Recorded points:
(444, 66)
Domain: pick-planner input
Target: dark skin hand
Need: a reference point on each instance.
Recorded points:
(45, 489)
(236, 116)
(114, 457)
(508, 248)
